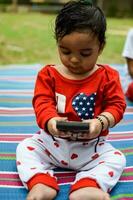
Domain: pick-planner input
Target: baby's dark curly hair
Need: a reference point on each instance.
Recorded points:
(80, 16)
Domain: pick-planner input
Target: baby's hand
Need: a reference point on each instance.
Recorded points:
(94, 129)
(54, 131)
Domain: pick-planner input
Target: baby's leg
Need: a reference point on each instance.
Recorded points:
(41, 192)
(35, 170)
(100, 177)
(89, 193)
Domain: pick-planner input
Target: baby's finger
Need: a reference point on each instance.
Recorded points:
(83, 135)
(64, 134)
(74, 136)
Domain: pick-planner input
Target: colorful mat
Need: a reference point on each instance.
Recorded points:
(17, 121)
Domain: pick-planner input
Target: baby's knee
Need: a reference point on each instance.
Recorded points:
(122, 160)
(119, 161)
(21, 146)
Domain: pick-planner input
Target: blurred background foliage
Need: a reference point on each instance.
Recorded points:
(27, 30)
(112, 8)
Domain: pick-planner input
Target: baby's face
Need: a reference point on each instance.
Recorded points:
(79, 52)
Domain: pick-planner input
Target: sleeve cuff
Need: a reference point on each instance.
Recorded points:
(84, 182)
(45, 179)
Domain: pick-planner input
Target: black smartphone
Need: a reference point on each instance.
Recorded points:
(72, 126)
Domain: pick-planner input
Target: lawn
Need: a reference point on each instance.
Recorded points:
(29, 38)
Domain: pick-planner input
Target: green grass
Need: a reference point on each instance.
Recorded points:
(116, 34)
(29, 38)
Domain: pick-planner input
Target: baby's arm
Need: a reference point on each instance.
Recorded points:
(113, 107)
(102, 122)
(114, 100)
(44, 101)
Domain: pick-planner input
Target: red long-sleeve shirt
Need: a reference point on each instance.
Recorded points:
(55, 95)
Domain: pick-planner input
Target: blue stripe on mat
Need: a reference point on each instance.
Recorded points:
(13, 193)
(125, 125)
(128, 116)
(18, 124)
(15, 85)
(121, 189)
(19, 129)
(20, 193)
(20, 70)
(8, 147)
(8, 166)
(15, 98)
(122, 143)
(122, 127)
(17, 119)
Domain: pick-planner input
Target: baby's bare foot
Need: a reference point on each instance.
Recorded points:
(41, 192)
(89, 193)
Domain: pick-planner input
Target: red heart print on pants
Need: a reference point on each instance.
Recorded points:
(74, 156)
(111, 173)
(95, 156)
(64, 163)
(56, 144)
(117, 153)
(30, 148)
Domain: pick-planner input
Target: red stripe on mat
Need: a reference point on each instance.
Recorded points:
(62, 177)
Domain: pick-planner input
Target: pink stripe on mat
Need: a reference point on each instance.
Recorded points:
(15, 180)
(16, 112)
(12, 179)
(127, 150)
(14, 138)
(7, 155)
(130, 169)
(11, 183)
(12, 176)
(120, 136)
(16, 92)
(129, 109)
(126, 178)
(20, 78)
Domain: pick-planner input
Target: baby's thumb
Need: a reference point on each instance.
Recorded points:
(63, 119)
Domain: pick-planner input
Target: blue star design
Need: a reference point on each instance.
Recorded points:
(84, 105)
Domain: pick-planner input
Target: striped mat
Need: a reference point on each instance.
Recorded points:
(17, 122)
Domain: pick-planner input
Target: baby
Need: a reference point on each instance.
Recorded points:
(80, 90)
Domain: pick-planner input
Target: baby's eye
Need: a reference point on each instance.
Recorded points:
(66, 52)
(85, 54)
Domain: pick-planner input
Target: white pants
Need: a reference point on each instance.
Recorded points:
(95, 159)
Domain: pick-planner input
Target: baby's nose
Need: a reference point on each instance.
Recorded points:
(75, 59)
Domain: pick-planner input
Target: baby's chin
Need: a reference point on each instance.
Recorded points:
(80, 71)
